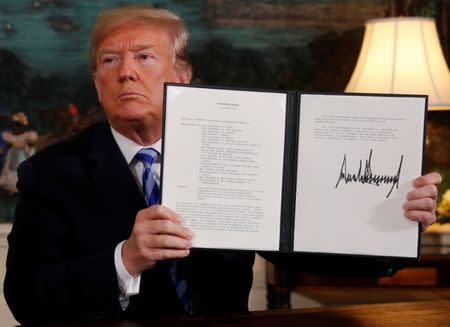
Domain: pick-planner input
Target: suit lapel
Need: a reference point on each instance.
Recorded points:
(114, 185)
(116, 191)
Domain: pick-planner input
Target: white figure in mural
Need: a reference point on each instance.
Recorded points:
(22, 141)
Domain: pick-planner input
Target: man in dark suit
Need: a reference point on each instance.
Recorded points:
(88, 241)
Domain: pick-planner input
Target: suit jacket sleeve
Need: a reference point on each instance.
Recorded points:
(46, 278)
(335, 265)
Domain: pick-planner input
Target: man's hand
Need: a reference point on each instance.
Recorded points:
(157, 235)
(420, 203)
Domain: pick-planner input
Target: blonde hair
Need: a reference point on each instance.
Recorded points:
(109, 19)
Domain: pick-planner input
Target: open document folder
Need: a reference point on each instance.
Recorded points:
(293, 171)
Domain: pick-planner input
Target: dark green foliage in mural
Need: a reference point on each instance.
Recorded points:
(12, 79)
(218, 62)
(46, 92)
(292, 68)
(85, 95)
(333, 58)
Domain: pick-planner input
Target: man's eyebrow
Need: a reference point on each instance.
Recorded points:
(139, 47)
(134, 48)
(108, 51)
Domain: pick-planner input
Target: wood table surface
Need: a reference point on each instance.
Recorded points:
(404, 314)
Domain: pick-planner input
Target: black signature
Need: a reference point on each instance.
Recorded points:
(367, 177)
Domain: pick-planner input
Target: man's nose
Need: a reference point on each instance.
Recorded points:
(127, 70)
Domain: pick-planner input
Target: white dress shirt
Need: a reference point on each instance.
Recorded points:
(128, 284)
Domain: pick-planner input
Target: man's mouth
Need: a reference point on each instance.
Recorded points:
(129, 95)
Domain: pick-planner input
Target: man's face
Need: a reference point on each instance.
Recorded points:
(133, 62)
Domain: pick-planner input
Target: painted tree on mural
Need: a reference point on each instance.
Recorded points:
(12, 80)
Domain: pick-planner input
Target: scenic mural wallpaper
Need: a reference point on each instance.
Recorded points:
(46, 92)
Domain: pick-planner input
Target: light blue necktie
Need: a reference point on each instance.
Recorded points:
(151, 192)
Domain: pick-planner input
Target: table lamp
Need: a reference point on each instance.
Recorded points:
(402, 55)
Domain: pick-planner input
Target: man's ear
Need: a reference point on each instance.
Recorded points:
(94, 77)
(184, 75)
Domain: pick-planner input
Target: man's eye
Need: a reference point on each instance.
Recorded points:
(145, 57)
(108, 60)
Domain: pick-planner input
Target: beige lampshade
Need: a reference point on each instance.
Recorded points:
(403, 55)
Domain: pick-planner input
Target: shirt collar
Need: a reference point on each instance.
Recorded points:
(129, 148)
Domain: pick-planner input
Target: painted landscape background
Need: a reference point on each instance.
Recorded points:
(274, 44)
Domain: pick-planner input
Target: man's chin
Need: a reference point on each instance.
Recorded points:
(137, 119)
(132, 115)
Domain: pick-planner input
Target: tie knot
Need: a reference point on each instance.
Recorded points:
(147, 156)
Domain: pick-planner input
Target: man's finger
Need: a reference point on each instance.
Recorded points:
(424, 204)
(428, 191)
(163, 254)
(168, 227)
(158, 211)
(431, 178)
(167, 242)
(426, 218)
